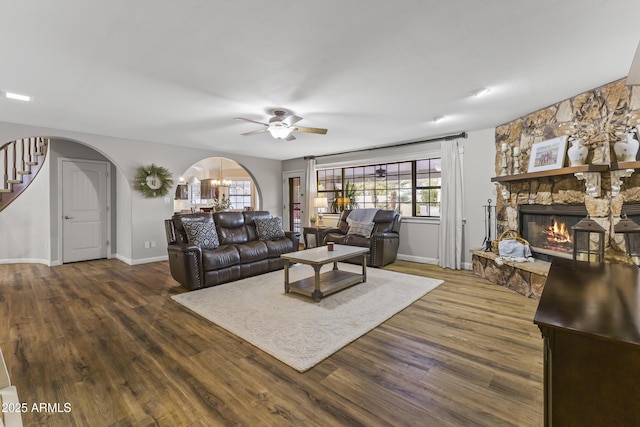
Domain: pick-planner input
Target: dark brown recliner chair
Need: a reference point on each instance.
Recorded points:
(240, 254)
(383, 242)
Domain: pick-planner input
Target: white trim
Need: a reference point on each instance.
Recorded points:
(429, 220)
(425, 260)
(130, 261)
(418, 259)
(25, 261)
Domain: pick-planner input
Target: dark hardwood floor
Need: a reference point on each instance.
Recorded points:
(107, 339)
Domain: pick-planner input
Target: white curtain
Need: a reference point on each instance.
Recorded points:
(450, 233)
(310, 192)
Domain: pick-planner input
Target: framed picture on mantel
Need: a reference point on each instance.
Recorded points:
(548, 155)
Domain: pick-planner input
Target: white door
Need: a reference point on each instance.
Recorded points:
(84, 210)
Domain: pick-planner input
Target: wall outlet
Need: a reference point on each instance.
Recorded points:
(153, 243)
(147, 245)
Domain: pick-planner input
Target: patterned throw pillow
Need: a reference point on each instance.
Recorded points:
(202, 234)
(360, 228)
(269, 229)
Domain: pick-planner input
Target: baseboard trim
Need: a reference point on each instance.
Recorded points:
(425, 260)
(141, 260)
(25, 261)
(418, 259)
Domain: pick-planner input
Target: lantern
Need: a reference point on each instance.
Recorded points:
(588, 241)
(631, 232)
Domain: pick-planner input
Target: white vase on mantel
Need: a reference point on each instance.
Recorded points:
(626, 150)
(577, 152)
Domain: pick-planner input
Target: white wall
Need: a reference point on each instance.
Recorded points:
(419, 236)
(138, 219)
(25, 233)
(479, 167)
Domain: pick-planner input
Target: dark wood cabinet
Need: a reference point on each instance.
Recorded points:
(589, 316)
(209, 189)
(182, 192)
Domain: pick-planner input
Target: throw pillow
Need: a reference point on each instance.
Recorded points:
(360, 228)
(202, 234)
(269, 228)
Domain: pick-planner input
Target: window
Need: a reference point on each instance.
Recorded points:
(411, 188)
(240, 194)
(428, 186)
(194, 193)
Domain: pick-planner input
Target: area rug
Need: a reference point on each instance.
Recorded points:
(295, 329)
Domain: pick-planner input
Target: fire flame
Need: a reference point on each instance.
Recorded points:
(557, 233)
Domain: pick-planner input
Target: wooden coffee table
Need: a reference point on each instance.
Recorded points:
(329, 282)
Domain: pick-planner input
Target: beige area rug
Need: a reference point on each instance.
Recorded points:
(295, 329)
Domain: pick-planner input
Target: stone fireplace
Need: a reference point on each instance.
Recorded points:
(530, 202)
(544, 205)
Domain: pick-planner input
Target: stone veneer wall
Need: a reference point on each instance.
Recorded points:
(526, 278)
(595, 116)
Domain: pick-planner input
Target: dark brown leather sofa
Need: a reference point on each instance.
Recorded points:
(383, 242)
(240, 254)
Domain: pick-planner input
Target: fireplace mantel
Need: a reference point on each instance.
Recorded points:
(590, 174)
(603, 167)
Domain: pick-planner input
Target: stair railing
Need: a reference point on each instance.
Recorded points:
(20, 162)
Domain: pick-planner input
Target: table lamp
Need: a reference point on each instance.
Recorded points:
(320, 203)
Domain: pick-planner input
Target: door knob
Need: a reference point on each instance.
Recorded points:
(68, 217)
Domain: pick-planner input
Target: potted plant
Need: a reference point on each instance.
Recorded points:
(348, 201)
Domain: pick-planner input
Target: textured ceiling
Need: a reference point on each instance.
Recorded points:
(372, 72)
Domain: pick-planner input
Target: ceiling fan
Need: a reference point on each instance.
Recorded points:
(281, 126)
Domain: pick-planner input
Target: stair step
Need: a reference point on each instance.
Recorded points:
(5, 190)
(38, 153)
(31, 163)
(23, 172)
(14, 181)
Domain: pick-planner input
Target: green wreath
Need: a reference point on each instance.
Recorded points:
(153, 181)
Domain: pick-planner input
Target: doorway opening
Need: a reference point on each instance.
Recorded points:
(216, 184)
(295, 203)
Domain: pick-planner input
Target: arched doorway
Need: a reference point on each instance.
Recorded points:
(83, 227)
(216, 183)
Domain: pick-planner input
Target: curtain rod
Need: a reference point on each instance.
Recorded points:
(440, 138)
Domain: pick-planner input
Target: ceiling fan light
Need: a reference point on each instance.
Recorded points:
(280, 132)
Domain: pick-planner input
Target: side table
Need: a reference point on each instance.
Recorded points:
(313, 231)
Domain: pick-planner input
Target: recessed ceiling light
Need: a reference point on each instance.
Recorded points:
(480, 92)
(17, 96)
(436, 119)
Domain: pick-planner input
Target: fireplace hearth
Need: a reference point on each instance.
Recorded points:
(547, 228)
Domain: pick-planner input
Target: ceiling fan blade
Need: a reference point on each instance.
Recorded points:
(634, 73)
(290, 137)
(311, 130)
(252, 121)
(290, 120)
(253, 132)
